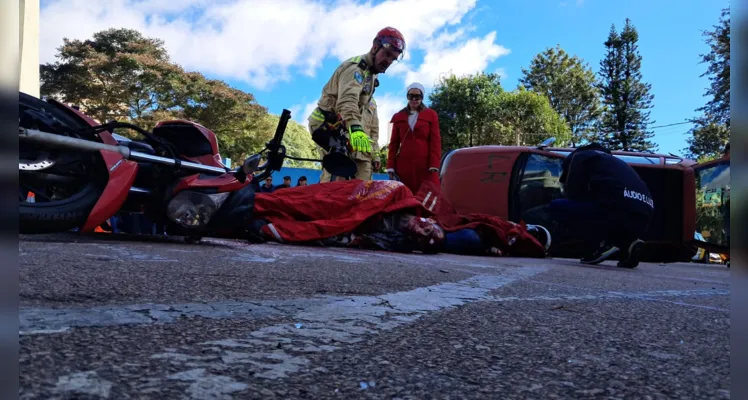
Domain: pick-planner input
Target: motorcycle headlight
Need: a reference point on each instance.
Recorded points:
(194, 209)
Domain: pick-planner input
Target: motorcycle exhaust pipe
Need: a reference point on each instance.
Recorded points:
(88, 145)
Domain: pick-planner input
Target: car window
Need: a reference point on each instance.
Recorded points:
(713, 203)
(538, 184)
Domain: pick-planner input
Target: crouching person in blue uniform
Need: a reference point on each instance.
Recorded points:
(606, 203)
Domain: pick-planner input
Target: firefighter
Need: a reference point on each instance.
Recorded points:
(347, 98)
(367, 163)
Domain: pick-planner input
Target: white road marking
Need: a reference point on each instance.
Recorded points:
(84, 383)
(251, 258)
(690, 279)
(277, 351)
(43, 331)
(657, 295)
(320, 325)
(129, 253)
(204, 385)
(680, 303)
(358, 256)
(35, 321)
(54, 320)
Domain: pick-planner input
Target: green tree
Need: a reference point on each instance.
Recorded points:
(626, 98)
(525, 118)
(474, 111)
(570, 86)
(299, 143)
(465, 106)
(712, 130)
(383, 151)
(707, 141)
(240, 124)
(121, 75)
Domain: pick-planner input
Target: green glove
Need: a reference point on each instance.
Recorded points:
(360, 140)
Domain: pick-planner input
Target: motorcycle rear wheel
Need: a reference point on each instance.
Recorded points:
(62, 200)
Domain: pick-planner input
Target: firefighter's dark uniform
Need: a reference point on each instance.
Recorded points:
(606, 200)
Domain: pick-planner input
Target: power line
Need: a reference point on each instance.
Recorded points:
(664, 126)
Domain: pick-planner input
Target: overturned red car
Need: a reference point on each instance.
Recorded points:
(507, 181)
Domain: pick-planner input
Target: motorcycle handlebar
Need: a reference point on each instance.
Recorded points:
(276, 150)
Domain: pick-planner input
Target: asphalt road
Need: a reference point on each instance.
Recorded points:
(118, 318)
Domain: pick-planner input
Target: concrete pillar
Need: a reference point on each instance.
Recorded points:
(9, 55)
(29, 47)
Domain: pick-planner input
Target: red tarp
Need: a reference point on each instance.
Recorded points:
(511, 239)
(328, 209)
(319, 211)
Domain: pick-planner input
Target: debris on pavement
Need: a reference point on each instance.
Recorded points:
(384, 303)
(365, 385)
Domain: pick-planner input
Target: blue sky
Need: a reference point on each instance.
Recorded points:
(279, 51)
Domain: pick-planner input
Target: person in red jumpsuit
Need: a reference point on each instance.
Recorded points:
(414, 151)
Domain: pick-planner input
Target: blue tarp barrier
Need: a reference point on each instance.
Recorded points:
(312, 175)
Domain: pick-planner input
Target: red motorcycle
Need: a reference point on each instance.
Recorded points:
(76, 173)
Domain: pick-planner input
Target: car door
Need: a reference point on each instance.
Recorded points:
(712, 218)
(535, 181)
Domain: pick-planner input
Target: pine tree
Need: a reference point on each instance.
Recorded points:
(569, 85)
(712, 129)
(625, 97)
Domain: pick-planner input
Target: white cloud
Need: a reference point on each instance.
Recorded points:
(460, 58)
(262, 42)
(502, 74)
(265, 41)
(387, 105)
(302, 117)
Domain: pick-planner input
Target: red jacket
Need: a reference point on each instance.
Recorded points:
(412, 152)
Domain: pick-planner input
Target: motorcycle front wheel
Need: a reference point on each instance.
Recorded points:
(57, 188)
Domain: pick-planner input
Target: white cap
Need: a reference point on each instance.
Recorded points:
(416, 85)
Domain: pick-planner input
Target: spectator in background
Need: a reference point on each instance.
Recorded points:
(268, 186)
(286, 183)
(415, 146)
(301, 181)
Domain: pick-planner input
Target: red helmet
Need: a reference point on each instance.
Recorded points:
(391, 38)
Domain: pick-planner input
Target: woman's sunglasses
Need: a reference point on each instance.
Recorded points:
(415, 97)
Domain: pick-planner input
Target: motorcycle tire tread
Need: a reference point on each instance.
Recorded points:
(59, 216)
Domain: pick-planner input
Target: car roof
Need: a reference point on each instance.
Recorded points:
(628, 156)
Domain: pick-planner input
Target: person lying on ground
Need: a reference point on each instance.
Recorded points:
(382, 215)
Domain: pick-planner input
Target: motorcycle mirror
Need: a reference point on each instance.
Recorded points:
(547, 143)
(250, 164)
